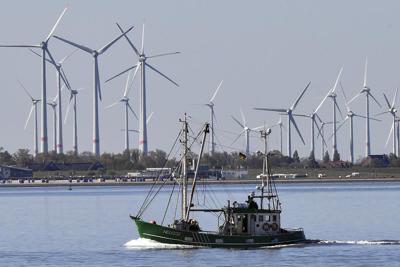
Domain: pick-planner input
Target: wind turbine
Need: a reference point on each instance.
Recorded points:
(281, 127)
(142, 64)
(72, 101)
(332, 94)
(392, 110)
(211, 104)
(96, 84)
(33, 108)
(350, 115)
(246, 131)
(45, 50)
(128, 107)
(368, 94)
(289, 113)
(60, 76)
(53, 105)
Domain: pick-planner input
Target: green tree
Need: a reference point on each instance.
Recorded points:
(336, 156)
(326, 158)
(22, 157)
(296, 158)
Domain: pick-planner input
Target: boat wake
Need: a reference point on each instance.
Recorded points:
(144, 244)
(360, 242)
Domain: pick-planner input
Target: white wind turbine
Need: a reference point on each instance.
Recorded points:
(211, 104)
(33, 108)
(73, 102)
(368, 94)
(246, 131)
(289, 113)
(142, 64)
(60, 76)
(392, 110)
(350, 116)
(96, 84)
(43, 46)
(332, 94)
(128, 107)
(53, 105)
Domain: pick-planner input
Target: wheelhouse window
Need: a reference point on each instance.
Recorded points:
(260, 218)
(274, 218)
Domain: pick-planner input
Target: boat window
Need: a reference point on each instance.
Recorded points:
(260, 218)
(274, 218)
(253, 217)
(267, 218)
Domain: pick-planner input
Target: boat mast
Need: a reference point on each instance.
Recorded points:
(184, 141)
(205, 132)
(265, 174)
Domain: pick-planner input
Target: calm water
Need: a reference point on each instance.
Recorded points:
(359, 223)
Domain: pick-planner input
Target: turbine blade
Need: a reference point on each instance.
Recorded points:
(300, 96)
(340, 111)
(345, 98)
(107, 46)
(318, 117)
(129, 41)
(237, 121)
(68, 109)
(166, 77)
(149, 118)
(26, 91)
(127, 83)
(39, 55)
(237, 137)
(272, 109)
(320, 133)
(68, 56)
(300, 115)
(143, 39)
(112, 105)
(122, 72)
(164, 54)
(394, 98)
(388, 138)
(98, 79)
(23, 46)
(243, 117)
(65, 79)
(387, 101)
(29, 116)
(365, 72)
(84, 48)
(376, 101)
(134, 114)
(337, 80)
(55, 64)
(356, 96)
(379, 114)
(216, 91)
(133, 78)
(55, 25)
(322, 102)
(297, 129)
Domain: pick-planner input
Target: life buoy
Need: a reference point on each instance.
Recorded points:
(274, 227)
(266, 227)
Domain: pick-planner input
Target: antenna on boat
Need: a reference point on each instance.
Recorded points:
(184, 175)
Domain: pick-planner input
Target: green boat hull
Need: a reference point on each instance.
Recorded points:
(169, 235)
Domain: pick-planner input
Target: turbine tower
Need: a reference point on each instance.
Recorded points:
(96, 84)
(246, 131)
(72, 101)
(289, 113)
(53, 105)
(142, 64)
(60, 76)
(392, 110)
(367, 90)
(128, 107)
(281, 127)
(33, 108)
(45, 50)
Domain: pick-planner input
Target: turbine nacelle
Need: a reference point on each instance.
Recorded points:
(142, 58)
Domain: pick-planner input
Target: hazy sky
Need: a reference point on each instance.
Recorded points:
(265, 51)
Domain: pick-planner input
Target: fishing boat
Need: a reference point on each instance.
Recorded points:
(253, 223)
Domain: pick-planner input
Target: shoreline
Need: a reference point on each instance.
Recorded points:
(209, 182)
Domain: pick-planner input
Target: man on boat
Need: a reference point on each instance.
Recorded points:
(251, 204)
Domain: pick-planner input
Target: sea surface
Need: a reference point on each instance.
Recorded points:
(358, 225)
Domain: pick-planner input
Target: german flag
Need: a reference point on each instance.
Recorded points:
(242, 156)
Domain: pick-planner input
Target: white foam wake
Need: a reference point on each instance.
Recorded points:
(361, 242)
(143, 243)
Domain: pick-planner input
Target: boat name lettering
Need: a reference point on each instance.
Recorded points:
(167, 232)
